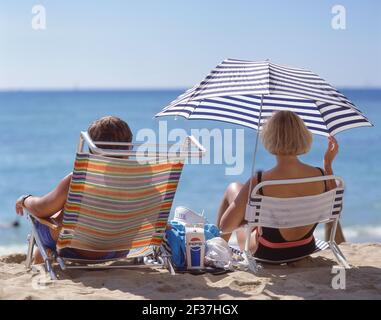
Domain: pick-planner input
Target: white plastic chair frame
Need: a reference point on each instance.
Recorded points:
(254, 208)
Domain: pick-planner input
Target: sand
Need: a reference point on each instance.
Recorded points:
(307, 279)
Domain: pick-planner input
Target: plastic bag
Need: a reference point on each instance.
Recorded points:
(218, 254)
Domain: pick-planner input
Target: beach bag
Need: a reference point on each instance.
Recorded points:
(175, 240)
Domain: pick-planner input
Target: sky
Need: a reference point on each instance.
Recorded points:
(174, 44)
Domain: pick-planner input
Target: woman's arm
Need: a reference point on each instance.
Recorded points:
(47, 205)
(332, 151)
(234, 215)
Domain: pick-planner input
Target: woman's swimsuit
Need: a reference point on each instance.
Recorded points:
(273, 247)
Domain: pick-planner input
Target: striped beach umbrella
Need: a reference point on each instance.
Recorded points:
(247, 92)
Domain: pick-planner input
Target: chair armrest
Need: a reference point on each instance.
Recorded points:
(49, 222)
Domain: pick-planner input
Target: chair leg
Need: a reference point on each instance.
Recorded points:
(167, 257)
(49, 269)
(170, 267)
(338, 249)
(339, 255)
(29, 256)
(249, 259)
(61, 263)
(44, 254)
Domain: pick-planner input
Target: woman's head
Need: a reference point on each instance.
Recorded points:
(285, 134)
(110, 129)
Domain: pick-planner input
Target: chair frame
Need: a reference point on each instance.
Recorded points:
(160, 257)
(250, 260)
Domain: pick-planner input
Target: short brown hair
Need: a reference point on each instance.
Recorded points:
(110, 129)
(286, 134)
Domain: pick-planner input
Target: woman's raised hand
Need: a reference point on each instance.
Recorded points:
(332, 151)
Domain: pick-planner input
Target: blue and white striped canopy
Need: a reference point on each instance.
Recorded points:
(233, 90)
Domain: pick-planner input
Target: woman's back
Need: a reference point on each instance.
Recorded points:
(293, 170)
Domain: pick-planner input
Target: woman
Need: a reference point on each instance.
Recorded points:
(285, 136)
(110, 129)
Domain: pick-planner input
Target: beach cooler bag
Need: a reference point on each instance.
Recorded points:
(176, 240)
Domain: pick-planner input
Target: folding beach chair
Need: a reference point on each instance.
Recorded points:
(118, 201)
(264, 211)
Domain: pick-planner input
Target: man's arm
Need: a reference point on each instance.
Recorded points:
(47, 205)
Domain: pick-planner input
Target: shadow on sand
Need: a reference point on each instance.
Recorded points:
(155, 284)
(312, 278)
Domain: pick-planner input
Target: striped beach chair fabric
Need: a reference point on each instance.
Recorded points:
(115, 204)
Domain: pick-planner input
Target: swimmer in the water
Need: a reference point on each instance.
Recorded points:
(14, 224)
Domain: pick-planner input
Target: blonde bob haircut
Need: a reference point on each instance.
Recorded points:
(284, 133)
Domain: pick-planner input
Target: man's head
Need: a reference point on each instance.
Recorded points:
(110, 129)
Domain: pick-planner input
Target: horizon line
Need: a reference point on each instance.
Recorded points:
(105, 89)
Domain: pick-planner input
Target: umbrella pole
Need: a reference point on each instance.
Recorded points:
(249, 260)
(255, 150)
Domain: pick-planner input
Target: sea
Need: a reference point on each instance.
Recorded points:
(39, 132)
